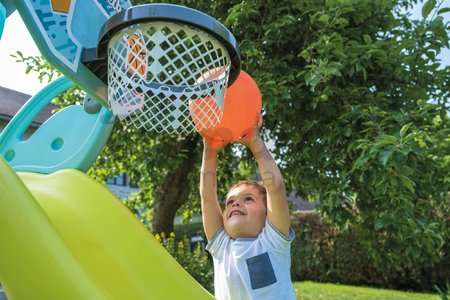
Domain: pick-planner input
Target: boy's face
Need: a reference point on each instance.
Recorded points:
(245, 212)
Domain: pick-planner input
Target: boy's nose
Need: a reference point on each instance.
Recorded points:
(236, 203)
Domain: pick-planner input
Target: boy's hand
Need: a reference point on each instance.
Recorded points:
(213, 144)
(252, 138)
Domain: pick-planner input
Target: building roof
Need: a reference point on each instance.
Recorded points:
(301, 203)
(11, 101)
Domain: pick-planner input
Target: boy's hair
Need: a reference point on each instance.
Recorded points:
(259, 185)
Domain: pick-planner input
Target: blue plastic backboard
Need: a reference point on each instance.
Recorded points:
(63, 28)
(2, 18)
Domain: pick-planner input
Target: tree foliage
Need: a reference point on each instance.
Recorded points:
(356, 102)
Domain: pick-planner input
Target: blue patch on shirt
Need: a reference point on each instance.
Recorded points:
(261, 271)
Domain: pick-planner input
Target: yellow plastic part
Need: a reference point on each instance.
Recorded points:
(64, 236)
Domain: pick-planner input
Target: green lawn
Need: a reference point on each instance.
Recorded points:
(311, 291)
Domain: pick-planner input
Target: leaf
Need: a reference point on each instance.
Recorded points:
(367, 39)
(379, 54)
(324, 18)
(339, 53)
(387, 140)
(400, 158)
(385, 155)
(380, 224)
(398, 117)
(405, 129)
(443, 10)
(285, 95)
(405, 170)
(411, 136)
(416, 252)
(408, 183)
(347, 132)
(430, 54)
(428, 7)
(421, 103)
(359, 162)
(437, 23)
(346, 10)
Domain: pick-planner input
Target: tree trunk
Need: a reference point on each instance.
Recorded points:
(174, 190)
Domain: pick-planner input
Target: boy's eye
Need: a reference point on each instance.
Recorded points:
(229, 202)
(249, 199)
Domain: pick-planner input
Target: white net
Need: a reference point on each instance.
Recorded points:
(167, 77)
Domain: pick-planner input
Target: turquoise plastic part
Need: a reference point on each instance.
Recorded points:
(86, 33)
(52, 33)
(9, 6)
(2, 18)
(50, 36)
(71, 138)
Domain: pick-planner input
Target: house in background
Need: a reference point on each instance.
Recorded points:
(122, 186)
(10, 103)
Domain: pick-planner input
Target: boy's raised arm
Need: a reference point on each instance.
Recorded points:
(211, 211)
(277, 205)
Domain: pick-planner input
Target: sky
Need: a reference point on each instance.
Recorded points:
(16, 38)
(12, 75)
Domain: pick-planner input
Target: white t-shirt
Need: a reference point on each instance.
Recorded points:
(255, 268)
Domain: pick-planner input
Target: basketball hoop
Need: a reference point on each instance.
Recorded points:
(162, 60)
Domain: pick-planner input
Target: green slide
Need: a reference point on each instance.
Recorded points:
(65, 236)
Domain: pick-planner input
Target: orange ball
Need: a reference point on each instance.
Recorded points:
(137, 54)
(242, 109)
(205, 112)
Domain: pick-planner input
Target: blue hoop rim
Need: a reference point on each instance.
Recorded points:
(174, 13)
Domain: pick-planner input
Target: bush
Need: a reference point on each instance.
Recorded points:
(310, 259)
(322, 253)
(195, 261)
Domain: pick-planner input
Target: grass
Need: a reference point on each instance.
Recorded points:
(307, 290)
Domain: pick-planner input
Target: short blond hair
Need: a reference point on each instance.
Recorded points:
(259, 185)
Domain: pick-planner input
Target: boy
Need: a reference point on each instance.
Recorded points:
(250, 240)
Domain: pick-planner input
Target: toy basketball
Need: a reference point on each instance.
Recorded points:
(137, 53)
(241, 111)
(205, 112)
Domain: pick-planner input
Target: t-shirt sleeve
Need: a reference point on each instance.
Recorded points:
(276, 238)
(218, 243)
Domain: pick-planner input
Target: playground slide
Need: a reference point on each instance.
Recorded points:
(65, 236)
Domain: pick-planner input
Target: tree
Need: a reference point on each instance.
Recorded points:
(356, 103)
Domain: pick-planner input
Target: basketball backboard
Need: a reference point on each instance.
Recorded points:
(64, 29)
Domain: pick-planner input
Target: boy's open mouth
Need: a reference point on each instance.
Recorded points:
(236, 213)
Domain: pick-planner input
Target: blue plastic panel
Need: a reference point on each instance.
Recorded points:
(71, 138)
(51, 29)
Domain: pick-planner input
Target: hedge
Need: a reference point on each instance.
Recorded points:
(322, 253)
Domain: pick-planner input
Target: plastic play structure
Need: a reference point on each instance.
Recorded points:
(63, 235)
